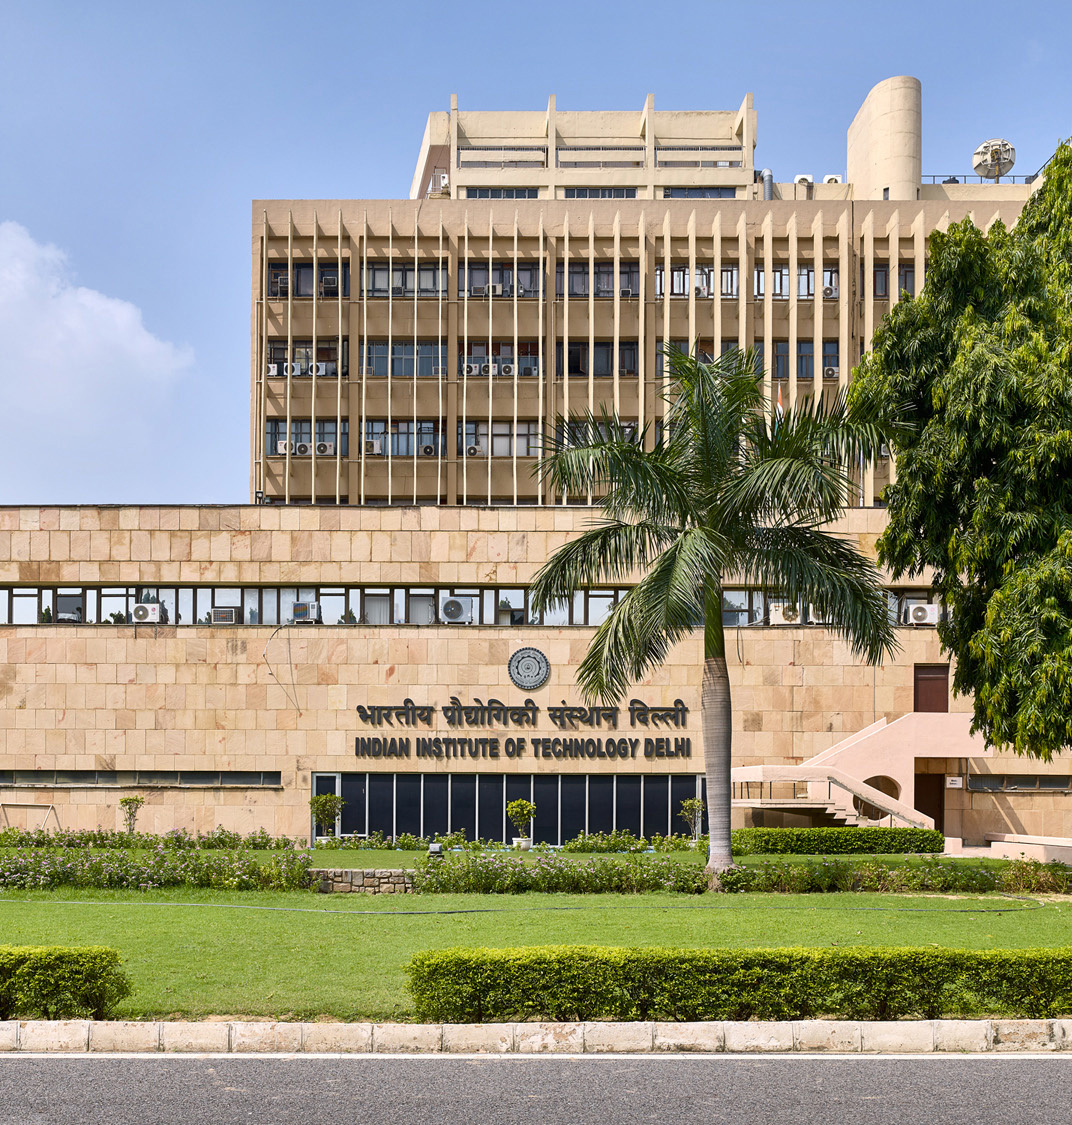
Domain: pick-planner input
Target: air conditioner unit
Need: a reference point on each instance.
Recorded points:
(308, 612)
(478, 290)
(282, 447)
(291, 368)
(473, 451)
(472, 369)
(883, 450)
(273, 370)
(832, 178)
(318, 369)
(303, 448)
(489, 369)
(373, 447)
(325, 449)
(782, 613)
(456, 611)
(701, 291)
(921, 614)
(493, 290)
(803, 178)
(627, 293)
(282, 285)
(331, 369)
(444, 181)
(439, 371)
(830, 372)
(428, 450)
(507, 369)
(224, 616)
(397, 291)
(146, 612)
(531, 371)
(829, 291)
(329, 285)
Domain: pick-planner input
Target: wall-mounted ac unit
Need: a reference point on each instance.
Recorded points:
(224, 616)
(282, 447)
(627, 293)
(329, 285)
(291, 368)
(473, 451)
(456, 611)
(428, 450)
(489, 369)
(325, 449)
(282, 285)
(273, 370)
(308, 612)
(303, 448)
(921, 614)
(784, 613)
(883, 449)
(444, 181)
(531, 371)
(507, 369)
(477, 290)
(472, 369)
(701, 291)
(397, 291)
(803, 178)
(318, 369)
(373, 447)
(832, 178)
(146, 612)
(493, 290)
(830, 372)
(829, 292)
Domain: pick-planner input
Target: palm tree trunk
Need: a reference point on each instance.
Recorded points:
(716, 718)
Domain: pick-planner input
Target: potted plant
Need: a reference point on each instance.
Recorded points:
(692, 810)
(520, 814)
(326, 808)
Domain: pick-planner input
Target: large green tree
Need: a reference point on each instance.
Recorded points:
(980, 365)
(726, 491)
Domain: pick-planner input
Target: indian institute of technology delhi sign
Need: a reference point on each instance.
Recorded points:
(528, 669)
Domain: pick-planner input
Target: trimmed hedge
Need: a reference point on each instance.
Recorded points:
(592, 983)
(836, 841)
(57, 983)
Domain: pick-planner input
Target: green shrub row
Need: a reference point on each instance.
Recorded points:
(836, 841)
(218, 839)
(622, 840)
(591, 983)
(823, 876)
(40, 868)
(55, 983)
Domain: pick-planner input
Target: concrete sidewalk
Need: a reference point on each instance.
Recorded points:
(807, 1036)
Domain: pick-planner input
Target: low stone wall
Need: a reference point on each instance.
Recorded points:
(382, 881)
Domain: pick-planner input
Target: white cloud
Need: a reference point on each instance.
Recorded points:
(74, 363)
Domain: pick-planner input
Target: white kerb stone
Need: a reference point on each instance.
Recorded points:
(538, 1038)
(197, 1038)
(483, 1038)
(911, 1037)
(269, 1036)
(387, 1038)
(747, 1037)
(54, 1035)
(124, 1035)
(706, 1037)
(612, 1036)
(337, 1038)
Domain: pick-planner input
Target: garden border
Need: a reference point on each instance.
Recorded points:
(720, 1037)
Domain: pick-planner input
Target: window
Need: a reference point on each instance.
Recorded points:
(525, 363)
(758, 279)
(728, 285)
(427, 361)
(506, 440)
(805, 360)
(472, 439)
(831, 350)
(830, 282)
(741, 607)
(475, 278)
(600, 193)
(679, 281)
(501, 193)
(781, 359)
(699, 193)
(405, 437)
(805, 281)
(321, 362)
(882, 282)
(906, 280)
(400, 278)
(602, 358)
(780, 283)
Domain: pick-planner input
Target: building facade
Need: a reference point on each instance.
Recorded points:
(364, 625)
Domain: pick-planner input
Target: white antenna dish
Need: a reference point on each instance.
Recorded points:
(994, 159)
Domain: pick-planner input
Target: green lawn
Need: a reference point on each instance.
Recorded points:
(197, 953)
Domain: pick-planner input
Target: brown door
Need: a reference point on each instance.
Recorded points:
(931, 687)
(930, 797)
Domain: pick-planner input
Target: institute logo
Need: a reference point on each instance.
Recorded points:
(529, 669)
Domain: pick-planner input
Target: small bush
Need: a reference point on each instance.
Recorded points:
(55, 983)
(836, 841)
(591, 983)
(821, 876)
(1032, 876)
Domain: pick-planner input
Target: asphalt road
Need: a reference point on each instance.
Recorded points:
(544, 1091)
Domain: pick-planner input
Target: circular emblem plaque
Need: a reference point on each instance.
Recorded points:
(529, 668)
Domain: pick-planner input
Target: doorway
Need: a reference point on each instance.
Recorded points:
(931, 687)
(930, 797)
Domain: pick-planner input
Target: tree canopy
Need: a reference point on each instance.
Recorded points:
(975, 377)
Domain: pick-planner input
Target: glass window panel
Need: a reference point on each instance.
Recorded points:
(70, 607)
(353, 794)
(628, 805)
(489, 795)
(381, 803)
(333, 607)
(600, 803)
(287, 597)
(574, 803)
(251, 610)
(24, 609)
(435, 804)
(463, 804)
(557, 614)
(408, 803)
(422, 609)
(545, 798)
(204, 606)
(230, 596)
(376, 609)
(185, 614)
(600, 603)
(656, 806)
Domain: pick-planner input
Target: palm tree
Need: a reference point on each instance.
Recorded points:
(729, 491)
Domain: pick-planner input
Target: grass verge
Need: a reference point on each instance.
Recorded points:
(192, 953)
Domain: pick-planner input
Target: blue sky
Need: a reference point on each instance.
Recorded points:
(134, 136)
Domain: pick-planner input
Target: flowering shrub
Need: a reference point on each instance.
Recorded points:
(1035, 877)
(160, 866)
(107, 838)
(826, 875)
(496, 873)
